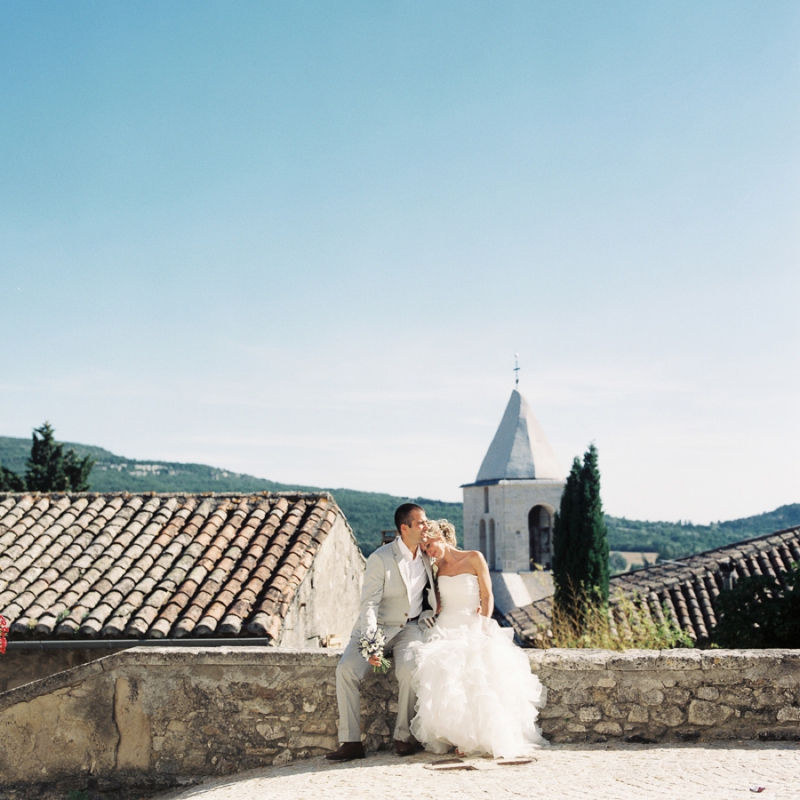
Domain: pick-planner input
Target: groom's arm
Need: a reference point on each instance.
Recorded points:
(371, 593)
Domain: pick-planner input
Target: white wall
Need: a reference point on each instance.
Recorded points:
(325, 607)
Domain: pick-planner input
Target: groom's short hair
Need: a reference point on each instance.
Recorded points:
(403, 514)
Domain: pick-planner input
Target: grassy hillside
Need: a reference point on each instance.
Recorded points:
(370, 512)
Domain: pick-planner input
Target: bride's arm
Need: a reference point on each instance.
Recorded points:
(484, 582)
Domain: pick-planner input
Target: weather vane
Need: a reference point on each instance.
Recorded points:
(516, 369)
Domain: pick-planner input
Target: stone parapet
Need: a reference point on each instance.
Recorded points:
(669, 695)
(153, 717)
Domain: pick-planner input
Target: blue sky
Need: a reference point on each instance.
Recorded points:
(304, 241)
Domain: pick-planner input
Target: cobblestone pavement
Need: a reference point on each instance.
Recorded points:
(562, 772)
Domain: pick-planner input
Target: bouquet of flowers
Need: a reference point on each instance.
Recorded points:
(3, 634)
(372, 644)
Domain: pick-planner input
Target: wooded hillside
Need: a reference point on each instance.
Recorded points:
(369, 512)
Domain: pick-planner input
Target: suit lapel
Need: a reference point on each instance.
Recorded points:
(398, 557)
(428, 570)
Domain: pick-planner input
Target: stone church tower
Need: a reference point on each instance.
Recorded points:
(508, 511)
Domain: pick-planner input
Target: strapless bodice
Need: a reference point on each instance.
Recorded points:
(460, 596)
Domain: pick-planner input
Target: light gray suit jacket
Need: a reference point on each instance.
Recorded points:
(384, 595)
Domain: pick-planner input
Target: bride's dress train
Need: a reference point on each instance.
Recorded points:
(474, 687)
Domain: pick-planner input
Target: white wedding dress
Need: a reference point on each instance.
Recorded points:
(474, 686)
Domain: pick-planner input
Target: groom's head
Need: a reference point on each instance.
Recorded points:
(411, 523)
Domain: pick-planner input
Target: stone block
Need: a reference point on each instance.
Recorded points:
(379, 727)
(789, 713)
(614, 711)
(671, 717)
(652, 697)
(769, 698)
(575, 727)
(608, 728)
(578, 697)
(679, 660)
(633, 660)
(589, 714)
(271, 730)
(677, 697)
(555, 711)
(702, 712)
(627, 694)
(285, 757)
(707, 692)
(638, 714)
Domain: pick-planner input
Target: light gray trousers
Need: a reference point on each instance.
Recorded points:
(351, 671)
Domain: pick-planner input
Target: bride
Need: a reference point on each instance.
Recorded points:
(475, 690)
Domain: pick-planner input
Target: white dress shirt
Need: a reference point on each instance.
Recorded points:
(413, 572)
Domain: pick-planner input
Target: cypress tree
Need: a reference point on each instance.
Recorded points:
(566, 556)
(52, 470)
(594, 531)
(580, 544)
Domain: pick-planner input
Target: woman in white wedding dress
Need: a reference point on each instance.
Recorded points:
(474, 686)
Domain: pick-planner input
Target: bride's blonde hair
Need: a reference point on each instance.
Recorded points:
(442, 529)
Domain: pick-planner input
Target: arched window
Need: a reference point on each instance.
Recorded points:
(482, 537)
(492, 556)
(539, 544)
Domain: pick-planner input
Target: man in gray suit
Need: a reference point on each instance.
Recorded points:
(397, 594)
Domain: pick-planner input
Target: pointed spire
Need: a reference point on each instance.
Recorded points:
(519, 449)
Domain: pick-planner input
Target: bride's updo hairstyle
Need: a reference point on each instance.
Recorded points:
(442, 529)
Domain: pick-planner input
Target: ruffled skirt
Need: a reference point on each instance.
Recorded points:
(475, 691)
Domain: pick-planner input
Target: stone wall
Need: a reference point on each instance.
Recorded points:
(151, 717)
(18, 667)
(669, 695)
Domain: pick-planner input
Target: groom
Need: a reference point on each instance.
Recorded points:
(397, 592)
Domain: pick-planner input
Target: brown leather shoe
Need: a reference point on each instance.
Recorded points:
(347, 752)
(407, 748)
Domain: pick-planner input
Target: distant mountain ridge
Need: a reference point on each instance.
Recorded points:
(370, 512)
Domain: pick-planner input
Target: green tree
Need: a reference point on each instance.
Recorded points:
(760, 611)
(594, 528)
(566, 553)
(617, 563)
(50, 469)
(10, 481)
(580, 543)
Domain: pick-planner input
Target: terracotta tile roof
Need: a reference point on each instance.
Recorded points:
(688, 586)
(154, 566)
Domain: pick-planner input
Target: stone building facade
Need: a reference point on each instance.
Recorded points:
(509, 509)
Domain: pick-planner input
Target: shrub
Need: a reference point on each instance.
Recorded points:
(631, 622)
(760, 611)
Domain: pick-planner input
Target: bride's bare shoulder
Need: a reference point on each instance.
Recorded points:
(473, 557)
